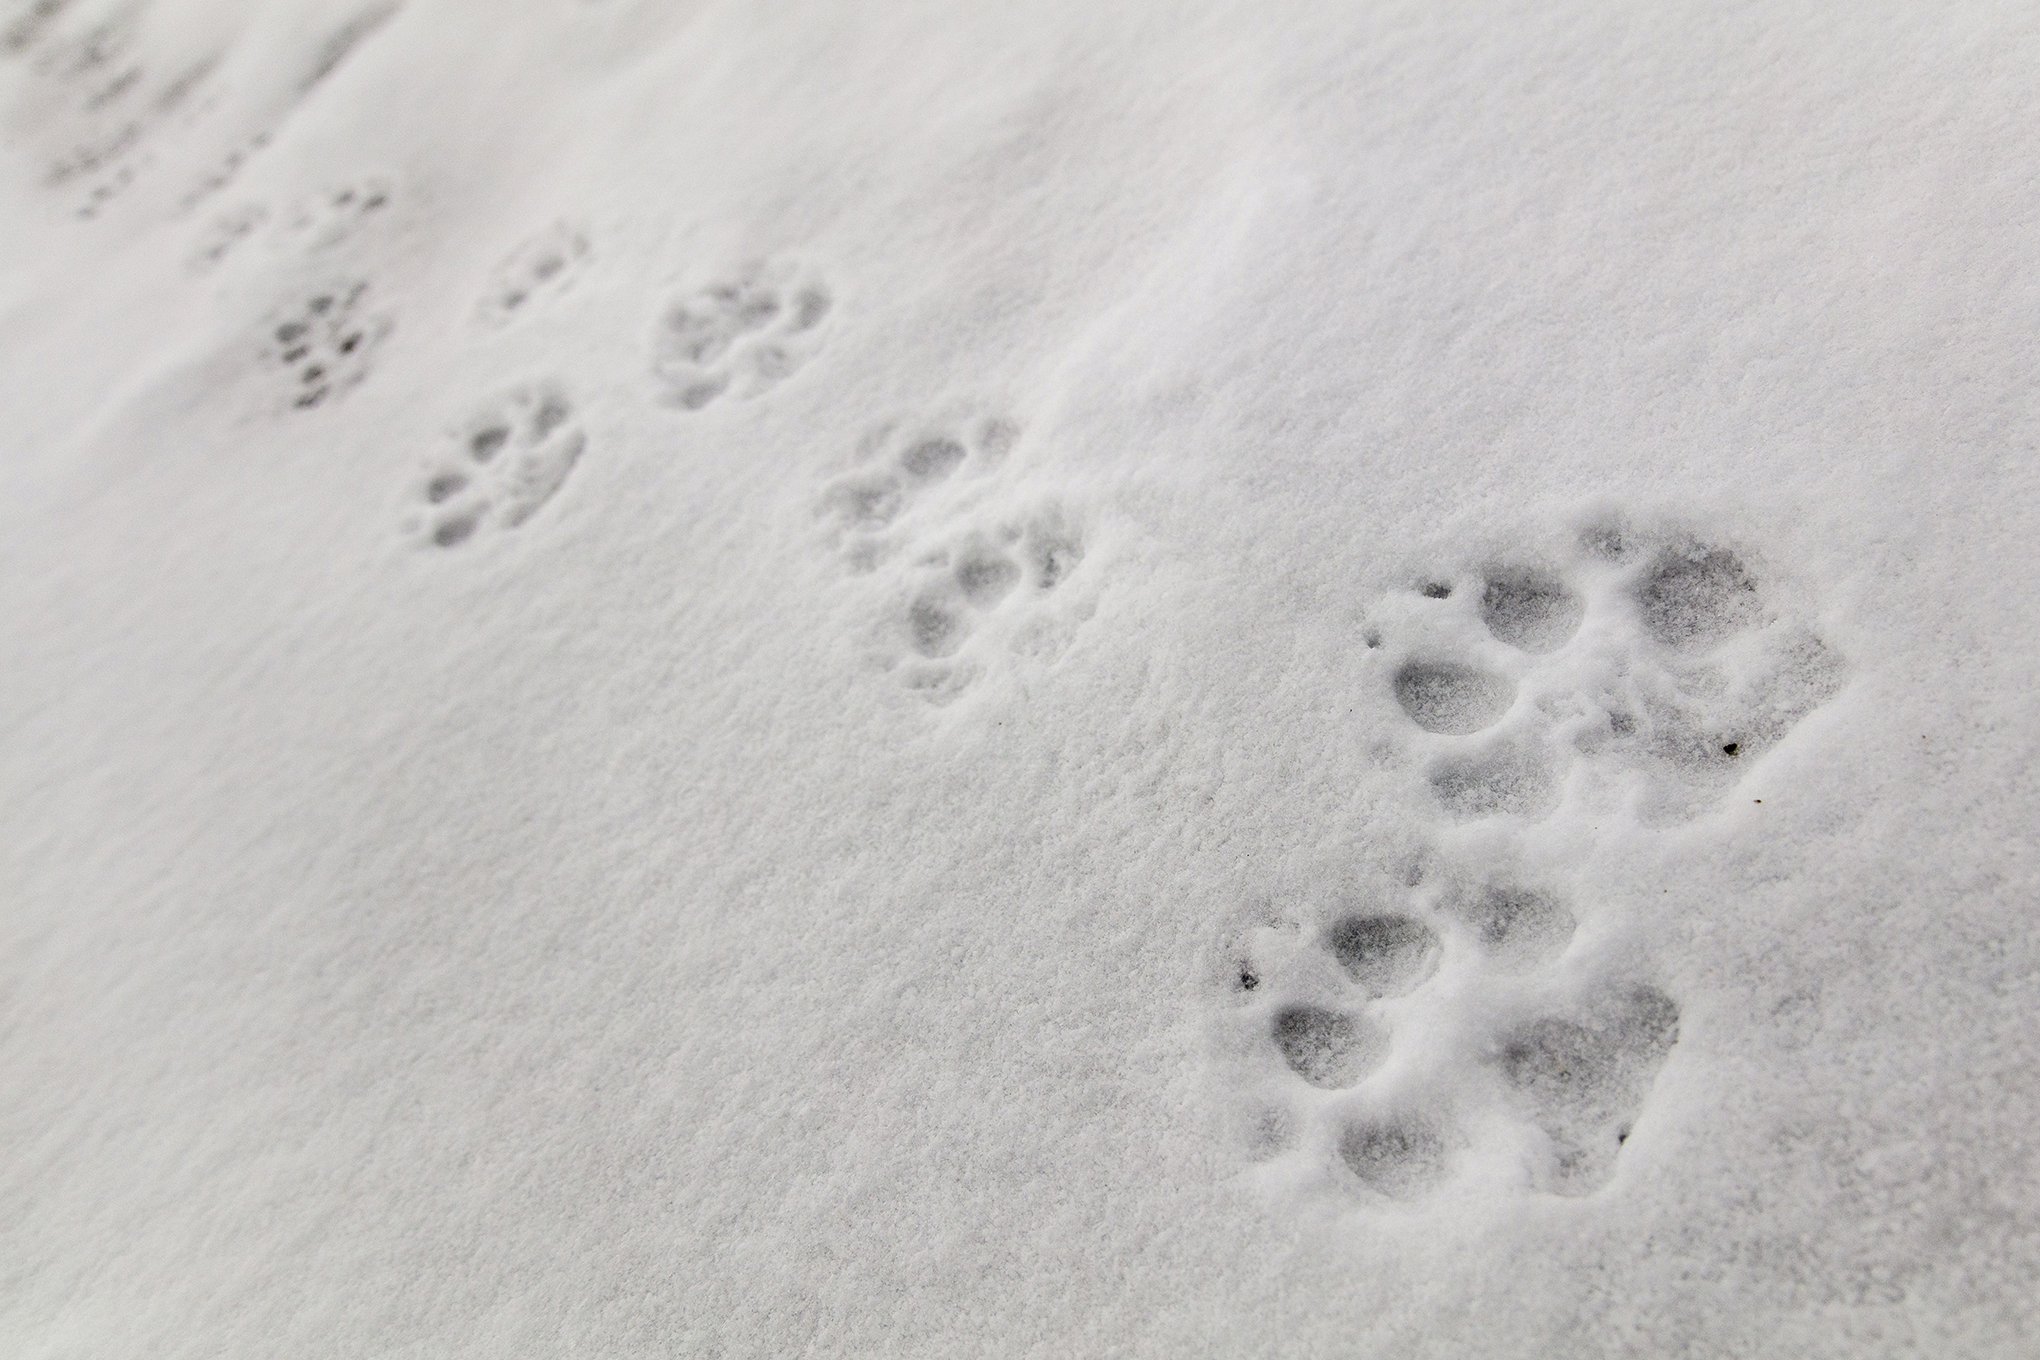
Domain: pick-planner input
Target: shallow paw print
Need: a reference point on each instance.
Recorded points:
(1399, 1155)
(971, 579)
(224, 234)
(508, 461)
(545, 265)
(984, 585)
(740, 336)
(326, 344)
(101, 100)
(868, 510)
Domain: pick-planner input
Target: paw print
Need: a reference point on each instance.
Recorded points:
(326, 345)
(1446, 1021)
(1648, 669)
(740, 336)
(970, 570)
(544, 265)
(1354, 1022)
(510, 458)
(335, 215)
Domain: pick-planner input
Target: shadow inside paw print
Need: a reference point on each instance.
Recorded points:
(327, 344)
(1693, 595)
(1387, 955)
(741, 336)
(1400, 1157)
(1584, 1085)
(1327, 1048)
(509, 461)
(1519, 927)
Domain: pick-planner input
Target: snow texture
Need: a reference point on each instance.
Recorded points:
(689, 678)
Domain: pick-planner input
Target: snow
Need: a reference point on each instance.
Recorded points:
(706, 679)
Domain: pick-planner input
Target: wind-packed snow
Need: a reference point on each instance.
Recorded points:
(718, 679)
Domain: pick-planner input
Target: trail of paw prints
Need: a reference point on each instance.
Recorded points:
(968, 570)
(326, 345)
(504, 465)
(96, 100)
(544, 265)
(1399, 1038)
(741, 336)
(105, 108)
(1648, 668)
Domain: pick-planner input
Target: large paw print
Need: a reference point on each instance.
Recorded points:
(1647, 668)
(326, 344)
(1394, 1038)
(970, 569)
(509, 459)
(740, 336)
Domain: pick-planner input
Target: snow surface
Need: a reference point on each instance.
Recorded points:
(1060, 679)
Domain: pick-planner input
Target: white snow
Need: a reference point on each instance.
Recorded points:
(715, 679)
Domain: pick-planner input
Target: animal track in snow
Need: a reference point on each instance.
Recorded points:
(970, 568)
(98, 102)
(1583, 1082)
(112, 97)
(1643, 666)
(1325, 995)
(741, 336)
(546, 264)
(319, 223)
(326, 344)
(336, 214)
(1401, 1032)
(503, 466)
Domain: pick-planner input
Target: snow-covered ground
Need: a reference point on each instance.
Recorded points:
(1067, 679)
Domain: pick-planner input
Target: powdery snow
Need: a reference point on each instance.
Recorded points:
(716, 679)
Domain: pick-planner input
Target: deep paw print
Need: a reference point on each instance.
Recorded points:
(1655, 657)
(1344, 1041)
(326, 344)
(1322, 997)
(971, 571)
(545, 265)
(741, 336)
(503, 466)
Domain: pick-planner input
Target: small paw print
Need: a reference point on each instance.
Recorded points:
(741, 336)
(326, 344)
(971, 571)
(506, 463)
(545, 265)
